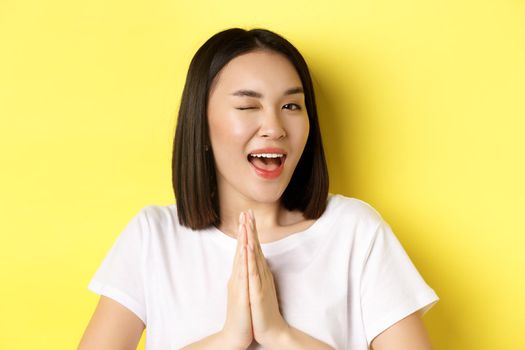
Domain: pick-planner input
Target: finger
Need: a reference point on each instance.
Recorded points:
(252, 223)
(256, 234)
(243, 268)
(254, 278)
(259, 260)
(259, 255)
(238, 249)
(252, 241)
(248, 227)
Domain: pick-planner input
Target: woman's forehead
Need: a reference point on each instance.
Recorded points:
(258, 70)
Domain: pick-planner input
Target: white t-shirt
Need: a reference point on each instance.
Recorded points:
(343, 280)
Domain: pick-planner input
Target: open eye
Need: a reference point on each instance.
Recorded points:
(292, 106)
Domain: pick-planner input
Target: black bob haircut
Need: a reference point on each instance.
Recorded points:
(193, 169)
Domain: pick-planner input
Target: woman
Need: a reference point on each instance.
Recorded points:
(255, 254)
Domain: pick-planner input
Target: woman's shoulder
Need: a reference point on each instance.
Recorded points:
(160, 218)
(352, 207)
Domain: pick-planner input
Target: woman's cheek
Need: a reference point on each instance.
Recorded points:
(300, 128)
(226, 126)
(240, 127)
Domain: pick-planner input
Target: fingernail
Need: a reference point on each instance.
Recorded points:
(241, 218)
(251, 213)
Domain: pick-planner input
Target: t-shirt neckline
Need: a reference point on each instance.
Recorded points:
(283, 244)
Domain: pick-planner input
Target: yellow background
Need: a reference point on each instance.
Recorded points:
(421, 105)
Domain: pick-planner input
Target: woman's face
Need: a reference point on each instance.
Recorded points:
(258, 126)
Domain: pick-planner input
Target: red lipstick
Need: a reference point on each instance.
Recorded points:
(267, 173)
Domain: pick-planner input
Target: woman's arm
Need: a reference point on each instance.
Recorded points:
(218, 340)
(112, 326)
(407, 334)
(293, 338)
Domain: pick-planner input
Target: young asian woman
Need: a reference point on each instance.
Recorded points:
(255, 253)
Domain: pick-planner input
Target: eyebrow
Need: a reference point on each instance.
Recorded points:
(252, 93)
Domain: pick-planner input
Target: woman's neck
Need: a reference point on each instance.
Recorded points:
(268, 216)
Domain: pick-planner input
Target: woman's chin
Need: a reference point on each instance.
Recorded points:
(266, 195)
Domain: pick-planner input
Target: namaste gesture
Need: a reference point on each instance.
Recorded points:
(253, 309)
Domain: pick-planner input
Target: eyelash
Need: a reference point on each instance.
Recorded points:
(296, 107)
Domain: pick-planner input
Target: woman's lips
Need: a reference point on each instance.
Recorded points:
(269, 174)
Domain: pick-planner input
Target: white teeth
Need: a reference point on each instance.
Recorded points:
(267, 155)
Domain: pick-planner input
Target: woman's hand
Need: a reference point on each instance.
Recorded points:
(238, 325)
(267, 321)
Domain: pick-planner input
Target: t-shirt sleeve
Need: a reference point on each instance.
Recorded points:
(120, 275)
(391, 286)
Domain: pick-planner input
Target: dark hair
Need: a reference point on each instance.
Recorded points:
(193, 169)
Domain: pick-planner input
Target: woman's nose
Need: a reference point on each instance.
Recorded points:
(272, 126)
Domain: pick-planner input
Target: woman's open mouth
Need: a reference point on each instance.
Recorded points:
(267, 165)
